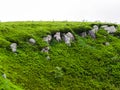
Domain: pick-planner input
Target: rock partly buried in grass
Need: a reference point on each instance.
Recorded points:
(48, 57)
(13, 47)
(109, 29)
(70, 35)
(95, 28)
(45, 49)
(48, 38)
(92, 34)
(68, 38)
(57, 36)
(106, 43)
(4, 75)
(83, 34)
(32, 41)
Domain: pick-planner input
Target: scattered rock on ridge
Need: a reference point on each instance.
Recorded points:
(32, 41)
(70, 35)
(45, 49)
(13, 46)
(83, 34)
(92, 34)
(57, 36)
(48, 38)
(67, 39)
(4, 75)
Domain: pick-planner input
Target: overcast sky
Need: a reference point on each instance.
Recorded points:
(60, 10)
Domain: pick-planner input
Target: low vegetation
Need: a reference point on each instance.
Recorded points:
(87, 64)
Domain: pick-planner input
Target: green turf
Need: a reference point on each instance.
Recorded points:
(85, 65)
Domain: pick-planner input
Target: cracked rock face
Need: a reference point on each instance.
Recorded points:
(13, 46)
(48, 38)
(57, 36)
(32, 41)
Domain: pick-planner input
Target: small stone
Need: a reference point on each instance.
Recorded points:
(4, 76)
(70, 35)
(48, 38)
(83, 34)
(95, 28)
(48, 57)
(107, 43)
(32, 41)
(67, 40)
(45, 49)
(13, 46)
(57, 36)
(92, 34)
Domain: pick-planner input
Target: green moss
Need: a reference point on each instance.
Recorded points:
(86, 64)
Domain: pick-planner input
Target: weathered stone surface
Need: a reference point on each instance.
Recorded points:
(70, 35)
(83, 34)
(32, 41)
(109, 29)
(67, 39)
(92, 34)
(45, 49)
(57, 36)
(95, 28)
(48, 38)
(13, 47)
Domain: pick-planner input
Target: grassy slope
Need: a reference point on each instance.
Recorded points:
(87, 64)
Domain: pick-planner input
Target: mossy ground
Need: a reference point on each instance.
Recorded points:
(86, 64)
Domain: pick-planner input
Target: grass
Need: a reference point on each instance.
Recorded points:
(86, 64)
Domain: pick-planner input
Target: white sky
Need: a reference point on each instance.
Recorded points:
(60, 10)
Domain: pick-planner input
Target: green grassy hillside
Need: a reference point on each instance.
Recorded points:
(88, 64)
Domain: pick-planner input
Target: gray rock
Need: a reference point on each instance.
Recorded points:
(57, 36)
(48, 57)
(4, 76)
(109, 29)
(48, 38)
(95, 28)
(67, 39)
(92, 34)
(45, 49)
(83, 34)
(32, 41)
(107, 43)
(13, 47)
(70, 35)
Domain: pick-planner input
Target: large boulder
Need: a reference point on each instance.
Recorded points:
(57, 36)
(13, 47)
